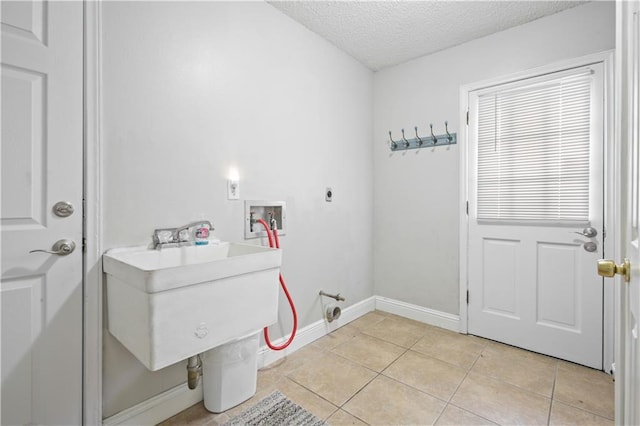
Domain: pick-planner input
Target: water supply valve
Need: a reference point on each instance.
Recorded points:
(272, 212)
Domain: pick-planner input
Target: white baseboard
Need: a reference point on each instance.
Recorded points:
(179, 398)
(418, 313)
(159, 408)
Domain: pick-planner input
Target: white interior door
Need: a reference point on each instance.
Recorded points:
(534, 188)
(41, 293)
(628, 293)
(632, 323)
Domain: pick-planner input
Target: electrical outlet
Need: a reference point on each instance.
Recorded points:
(233, 190)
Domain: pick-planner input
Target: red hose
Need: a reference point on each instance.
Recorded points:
(286, 292)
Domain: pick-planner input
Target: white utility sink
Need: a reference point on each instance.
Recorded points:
(167, 305)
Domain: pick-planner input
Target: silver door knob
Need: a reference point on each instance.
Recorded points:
(588, 232)
(61, 248)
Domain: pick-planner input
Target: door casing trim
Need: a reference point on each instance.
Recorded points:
(92, 188)
(611, 200)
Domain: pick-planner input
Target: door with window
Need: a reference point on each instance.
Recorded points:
(41, 292)
(536, 214)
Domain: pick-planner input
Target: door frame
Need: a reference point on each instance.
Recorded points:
(611, 199)
(92, 190)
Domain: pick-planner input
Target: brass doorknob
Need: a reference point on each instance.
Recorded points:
(608, 268)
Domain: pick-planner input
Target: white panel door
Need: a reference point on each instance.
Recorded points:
(532, 282)
(632, 311)
(628, 293)
(41, 293)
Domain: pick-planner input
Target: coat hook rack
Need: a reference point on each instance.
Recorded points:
(423, 142)
(406, 142)
(418, 138)
(392, 144)
(446, 129)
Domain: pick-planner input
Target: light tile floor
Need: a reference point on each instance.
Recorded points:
(385, 369)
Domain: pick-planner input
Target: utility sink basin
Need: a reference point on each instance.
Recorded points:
(167, 305)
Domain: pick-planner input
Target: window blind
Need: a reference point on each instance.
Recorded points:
(533, 151)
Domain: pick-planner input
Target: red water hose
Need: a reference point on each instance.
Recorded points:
(286, 292)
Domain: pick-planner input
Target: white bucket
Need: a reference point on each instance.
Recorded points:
(230, 373)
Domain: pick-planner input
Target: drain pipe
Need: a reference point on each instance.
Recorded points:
(333, 312)
(194, 371)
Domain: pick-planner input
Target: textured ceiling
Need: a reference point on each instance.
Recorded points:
(380, 34)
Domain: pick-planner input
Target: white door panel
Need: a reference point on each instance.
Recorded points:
(532, 294)
(558, 289)
(499, 277)
(531, 281)
(628, 293)
(633, 248)
(40, 293)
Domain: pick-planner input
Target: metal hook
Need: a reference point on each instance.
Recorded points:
(406, 142)
(433, 137)
(446, 129)
(393, 143)
(418, 137)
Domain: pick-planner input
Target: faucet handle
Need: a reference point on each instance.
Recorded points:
(163, 236)
(182, 235)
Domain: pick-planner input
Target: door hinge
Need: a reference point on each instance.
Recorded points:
(467, 117)
(84, 245)
(467, 208)
(467, 297)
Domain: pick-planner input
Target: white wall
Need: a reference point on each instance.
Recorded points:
(416, 193)
(191, 89)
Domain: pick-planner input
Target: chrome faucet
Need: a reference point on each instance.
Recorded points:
(166, 237)
(178, 230)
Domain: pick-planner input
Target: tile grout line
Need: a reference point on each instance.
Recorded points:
(585, 411)
(316, 394)
(518, 386)
(441, 413)
(379, 373)
(354, 395)
(286, 376)
(466, 375)
(553, 392)
(471, 412)
(582, 408)
(448, 402)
